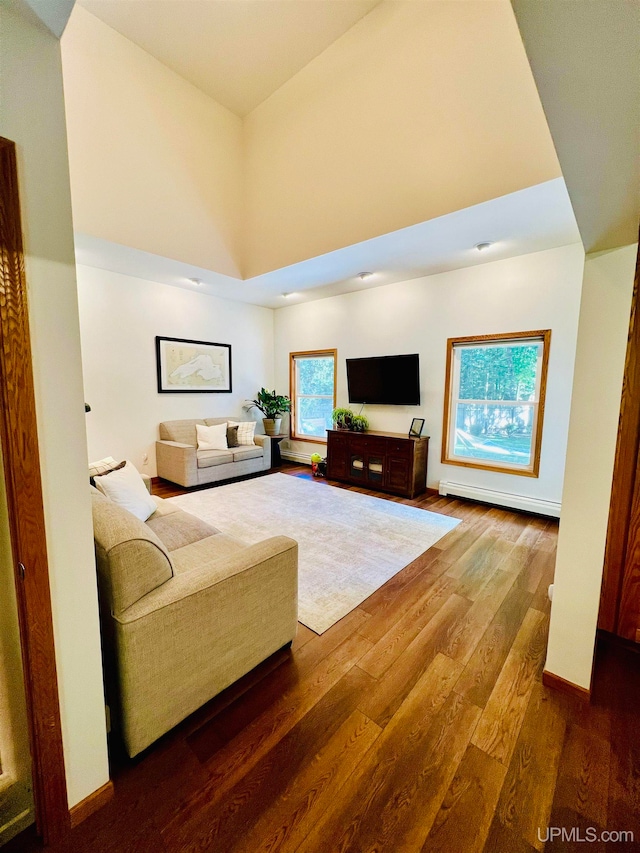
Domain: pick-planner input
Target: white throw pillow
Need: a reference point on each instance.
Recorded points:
(212, 437)
(125, 487)
(246, 430)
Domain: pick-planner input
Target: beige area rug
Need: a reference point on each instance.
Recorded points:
(350, 544)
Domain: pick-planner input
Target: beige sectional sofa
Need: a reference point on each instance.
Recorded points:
(186, 611)
(179, 460)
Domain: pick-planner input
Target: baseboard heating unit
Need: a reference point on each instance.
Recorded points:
(490, 496)
(295, 456)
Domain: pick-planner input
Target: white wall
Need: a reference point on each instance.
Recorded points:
(536, 291)
(119, 318)
(33, 117)
(420, 109)
(595, 408)
(155, 163)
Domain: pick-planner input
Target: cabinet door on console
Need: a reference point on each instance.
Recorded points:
(337, 457)
(397, 474)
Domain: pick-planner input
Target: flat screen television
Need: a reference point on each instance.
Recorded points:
(392, 380)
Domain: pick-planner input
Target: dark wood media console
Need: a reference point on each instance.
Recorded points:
(387, 461)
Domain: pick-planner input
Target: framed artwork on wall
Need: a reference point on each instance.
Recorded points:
(193, 367)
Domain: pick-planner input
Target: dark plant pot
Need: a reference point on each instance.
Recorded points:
(344, 427)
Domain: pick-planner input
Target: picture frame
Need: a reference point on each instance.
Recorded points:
(192, 367)
(415, 430)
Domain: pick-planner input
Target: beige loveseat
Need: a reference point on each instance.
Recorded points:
(186, 611)
(179, 460)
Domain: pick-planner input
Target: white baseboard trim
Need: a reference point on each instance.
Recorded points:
(536, 505)
(295, 456)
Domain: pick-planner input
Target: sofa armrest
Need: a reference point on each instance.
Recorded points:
(213, 575)
(264, 441)
(203, 631)
(177, 462)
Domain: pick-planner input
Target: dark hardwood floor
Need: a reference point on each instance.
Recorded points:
(418, 723)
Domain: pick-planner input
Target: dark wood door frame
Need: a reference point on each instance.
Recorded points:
(625, 480)
(19, 436)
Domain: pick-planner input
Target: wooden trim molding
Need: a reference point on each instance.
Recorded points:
(543, 335)
(292, 389)
(19, 436)
(93, 803)
(554, 682)
(624, 475)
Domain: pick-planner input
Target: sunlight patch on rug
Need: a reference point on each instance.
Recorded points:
(350, 544)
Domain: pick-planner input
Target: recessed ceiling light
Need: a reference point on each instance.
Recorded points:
(482, 246)
(197, 281)
(363, 275)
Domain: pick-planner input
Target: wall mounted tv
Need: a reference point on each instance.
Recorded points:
(392, 380)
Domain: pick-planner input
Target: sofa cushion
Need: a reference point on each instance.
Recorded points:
(131, 559)
(183, 431)
(179, 529)
(209, 458)
(213, 549)
(252, 452)
(163, 507)
(212, 421)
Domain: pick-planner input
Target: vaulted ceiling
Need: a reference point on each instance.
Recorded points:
(236, 51)
(380, 131)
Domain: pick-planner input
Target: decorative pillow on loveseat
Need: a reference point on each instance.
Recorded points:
(125, 487)
(232, 436)
(246, 429)
(212, 437)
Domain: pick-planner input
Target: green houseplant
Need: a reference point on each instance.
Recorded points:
(342, 418)
(359, 423)
(272, 406)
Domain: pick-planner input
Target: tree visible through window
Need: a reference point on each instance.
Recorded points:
(494, 401)
(313, 393)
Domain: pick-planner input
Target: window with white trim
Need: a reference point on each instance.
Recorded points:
(494, 401)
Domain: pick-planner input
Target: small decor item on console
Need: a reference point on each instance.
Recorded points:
(415, 430)
(272, 406)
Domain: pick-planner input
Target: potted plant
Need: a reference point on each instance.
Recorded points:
(359, 423)
(272, 406)
(342, 418)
